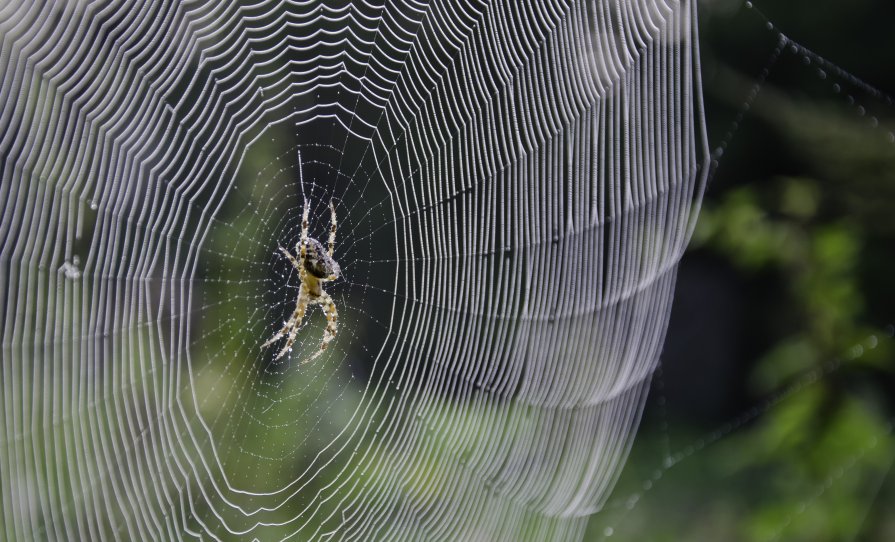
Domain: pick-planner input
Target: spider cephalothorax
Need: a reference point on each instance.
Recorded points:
(315, 265)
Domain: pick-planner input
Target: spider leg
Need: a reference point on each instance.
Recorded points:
(289, 323)
(300, 306)
(278, 334)
(332, 228)
(291, 258)
(303, 244)
(332, 324)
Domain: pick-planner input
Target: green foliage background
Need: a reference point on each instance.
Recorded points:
(784, 430)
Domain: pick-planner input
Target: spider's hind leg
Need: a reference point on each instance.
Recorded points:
(303, 243)
(332, 229)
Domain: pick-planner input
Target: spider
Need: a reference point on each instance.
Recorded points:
(315, 266)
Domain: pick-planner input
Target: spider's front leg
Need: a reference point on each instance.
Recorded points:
(277, 335)
(291, 322)
(297, 317)
(332, 324)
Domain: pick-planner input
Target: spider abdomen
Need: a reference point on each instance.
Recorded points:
(318, 263)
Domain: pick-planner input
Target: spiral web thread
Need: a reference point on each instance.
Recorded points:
(514, 183)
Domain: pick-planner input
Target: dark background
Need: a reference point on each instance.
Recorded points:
(771, 416)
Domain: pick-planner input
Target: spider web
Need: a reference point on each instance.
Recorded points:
(514, 182)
